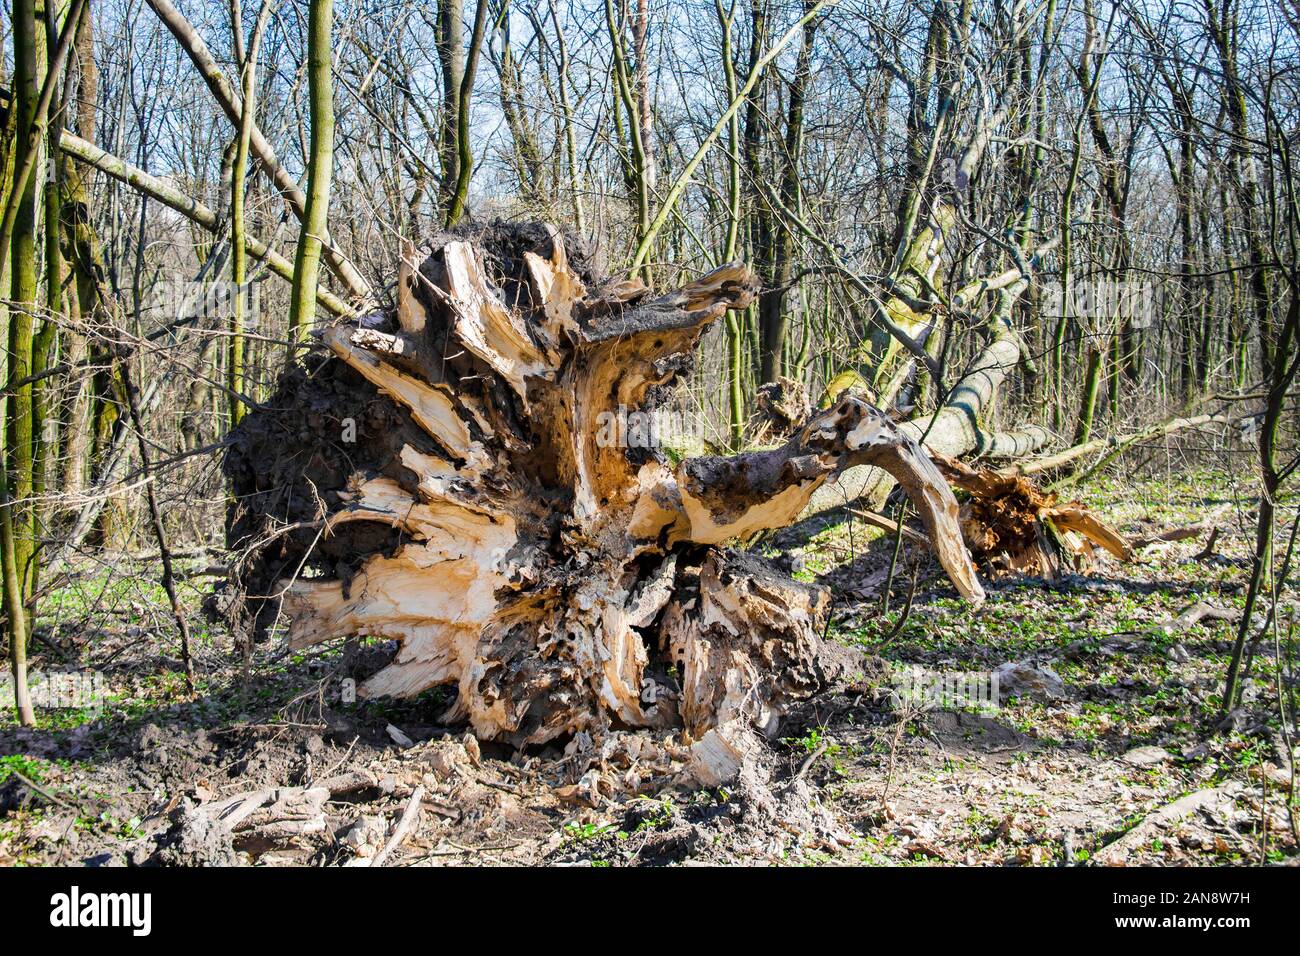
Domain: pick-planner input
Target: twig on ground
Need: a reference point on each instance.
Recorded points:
(812, 758)
(408, 818)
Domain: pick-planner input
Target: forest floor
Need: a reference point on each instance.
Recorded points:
(1126, 761)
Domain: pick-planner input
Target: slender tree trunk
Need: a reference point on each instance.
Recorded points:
(28, 74)
(570, 141)
(45, 405)
(626, 87)
(772, 319)
(735, 318)
(451, 54)
(239, 253)
(17, 526)
(15, 620)
(15, 612)
(306, 267)
(1241, 168)
(644, 108)
(760, 224)
(529, 166)
(1091, 386)
(465, 161)
(1261, 577)
(1281, 368)
(82, 255)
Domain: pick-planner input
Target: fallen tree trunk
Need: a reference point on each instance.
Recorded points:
(189, 207)
(494, 515)
(1110, 447)
(956, 428)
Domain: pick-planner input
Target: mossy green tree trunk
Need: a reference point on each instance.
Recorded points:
(464, 151)
(16, 528)
(306, 266)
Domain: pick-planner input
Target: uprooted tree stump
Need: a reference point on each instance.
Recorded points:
(490, 516)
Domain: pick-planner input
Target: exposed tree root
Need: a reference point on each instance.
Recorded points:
(495, 518)
(1010, 523)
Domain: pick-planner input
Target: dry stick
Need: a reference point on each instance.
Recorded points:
(807, 764)
(407, 820)
(905, 715)
(1209, 523)
(48, 795)
(168, 577)
(1208, 551)
(889, 525)
(905, 616)
(893, 559)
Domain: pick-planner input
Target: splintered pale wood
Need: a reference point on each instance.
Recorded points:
(563, 582)
(746, 647)
(1009, 519)
(619, 358)
(411, 315)
(1073, 516)
(559, 289)
(442, 524)
(625, 355)
(431, 407)
(485, 326)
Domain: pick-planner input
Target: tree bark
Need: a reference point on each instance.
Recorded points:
(320, 163)
(956, 428)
